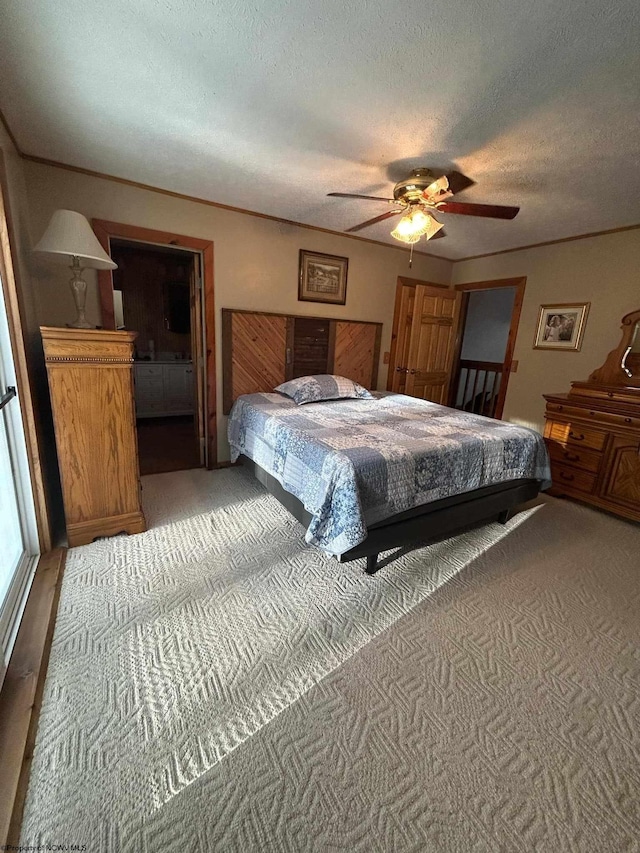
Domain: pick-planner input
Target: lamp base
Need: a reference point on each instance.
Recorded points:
(79, 290)
(80, 324)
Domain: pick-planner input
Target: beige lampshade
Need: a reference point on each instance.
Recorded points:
(69, 235)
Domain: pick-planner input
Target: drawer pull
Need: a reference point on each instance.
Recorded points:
(575, 436)
(566, 476)
(628, 420)
(571, 457)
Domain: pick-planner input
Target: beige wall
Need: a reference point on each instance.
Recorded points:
(17, 192)
(256, 267)
(256, 260)
(45, 478)
(604, 271)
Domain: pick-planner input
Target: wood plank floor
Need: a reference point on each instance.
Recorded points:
(167, 444)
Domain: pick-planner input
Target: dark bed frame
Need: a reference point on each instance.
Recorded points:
(423, 525)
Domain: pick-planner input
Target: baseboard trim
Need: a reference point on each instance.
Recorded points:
(21, 694)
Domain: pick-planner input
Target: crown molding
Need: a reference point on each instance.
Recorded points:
(547, 243)
(184, 197)
(5, 124)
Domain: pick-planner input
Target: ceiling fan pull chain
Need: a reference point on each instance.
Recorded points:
(411, 256)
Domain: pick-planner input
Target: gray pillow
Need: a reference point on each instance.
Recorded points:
(314, 389)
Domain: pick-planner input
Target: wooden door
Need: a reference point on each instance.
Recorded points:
(398, 366)
(432, 343)
(198, 346)
(356, 350)
(622, 483)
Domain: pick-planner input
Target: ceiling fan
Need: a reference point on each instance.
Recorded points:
(422, 194)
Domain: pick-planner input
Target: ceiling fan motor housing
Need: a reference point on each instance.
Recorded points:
(410, 190)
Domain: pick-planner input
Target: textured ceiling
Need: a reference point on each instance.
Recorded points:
(270, 105)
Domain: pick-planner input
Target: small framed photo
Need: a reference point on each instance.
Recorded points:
(322, 278)
(561, 326)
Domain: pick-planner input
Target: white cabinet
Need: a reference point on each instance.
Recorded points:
(149, 391)
(164, 389)
(178, 387)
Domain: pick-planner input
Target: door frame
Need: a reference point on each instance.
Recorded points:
(520, 284)
(403, 281)
(105, 231)
(15, 311)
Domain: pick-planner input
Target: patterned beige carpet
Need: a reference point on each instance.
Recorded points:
(214, 685)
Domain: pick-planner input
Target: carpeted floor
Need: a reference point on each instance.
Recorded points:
(214, 685)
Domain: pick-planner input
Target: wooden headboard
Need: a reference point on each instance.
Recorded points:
(260, 350)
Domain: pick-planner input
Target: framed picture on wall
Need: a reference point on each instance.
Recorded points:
(561, 326)
(322, 278)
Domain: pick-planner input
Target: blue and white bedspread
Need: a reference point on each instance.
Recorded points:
(356, 462)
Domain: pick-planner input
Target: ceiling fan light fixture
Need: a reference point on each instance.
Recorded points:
(414, 224)
(420, 223)
(404, 236)
(434, 227)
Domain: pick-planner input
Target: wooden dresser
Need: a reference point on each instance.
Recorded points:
(593, 432)
(91, 385)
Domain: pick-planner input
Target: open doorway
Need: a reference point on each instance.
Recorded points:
(199, 261)
(153, 292)
(490, 313)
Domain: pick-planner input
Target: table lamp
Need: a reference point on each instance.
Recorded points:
(69, 235)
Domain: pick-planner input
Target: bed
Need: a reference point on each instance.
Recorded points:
(369, 475)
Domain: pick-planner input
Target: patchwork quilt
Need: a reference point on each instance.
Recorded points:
(353, 463)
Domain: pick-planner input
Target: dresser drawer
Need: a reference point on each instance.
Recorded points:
(567, 411)
(607, 395)
(564, 476)
(568, 434)
(593, 415)
(618, 420)
(577, 457)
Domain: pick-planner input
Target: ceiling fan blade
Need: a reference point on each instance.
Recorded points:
(353, 195)
(459, 182)
(374, 220)
(493, 211)
(440, 233)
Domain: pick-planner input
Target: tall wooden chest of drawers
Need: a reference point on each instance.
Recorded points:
(593, 432)
(90, 376)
